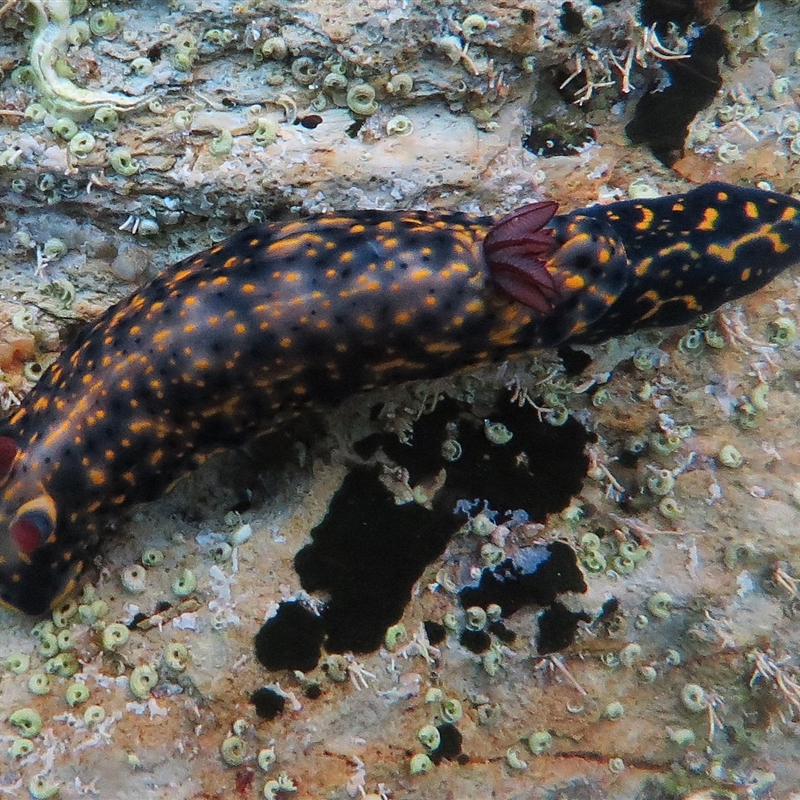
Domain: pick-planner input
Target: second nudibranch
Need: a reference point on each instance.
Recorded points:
(234, 341)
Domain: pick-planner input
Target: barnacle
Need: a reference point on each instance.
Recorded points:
(429, 737)
(65, 640)
(106, 118)
(451, 710)
(400, 125)
(692, 340)
(183, 119)
(134, 579)
(185, 583)
(47, 645)
(473, 25)
(266, 132)
(399, 85)
(82, 143)
(64, 665)
(65, 128)
(41, 789)
(152, 557)
(76, 694)
(631, 654)
(222, 144)
(275, 47)
(420, 764)
(394, 635)
(361, 99)
(115, 635)
(539, 742)
(304, 70)
(122, 162)
(266, 758)
(476, 618)
(233, 751)
(283, 783)
(730, 456)
(661, 483)
(104, 23)
(143, 679)
(79, 32)
(176, 656)
(39, 683)
(183, 62)
(694, 697)
(660, 605)
(782, 331)
(20, 747)
(27, 721)
(18, 663)
(496, 432)
(141, 66)
(670, 508)
(35, 112)
(614, 710)
(94, 715)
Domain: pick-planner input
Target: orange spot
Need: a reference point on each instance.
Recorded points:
(366, 321)
(97, 477)
(709, 221)
(402, 318)
(240, 329)
(751, 210)
(286, 342)
(248, 288)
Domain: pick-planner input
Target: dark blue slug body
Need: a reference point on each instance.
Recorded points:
(234, 341)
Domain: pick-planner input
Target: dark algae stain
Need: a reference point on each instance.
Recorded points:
(268, 703)
(663, 115)
(291, 639)
(366, 555)
(534, 576)
(368, 552)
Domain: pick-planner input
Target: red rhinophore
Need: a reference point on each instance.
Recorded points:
(516, 250)
(8, 450)
(26, 535)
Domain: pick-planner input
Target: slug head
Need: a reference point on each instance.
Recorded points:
(35, 571)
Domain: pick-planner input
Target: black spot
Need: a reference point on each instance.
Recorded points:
(309, 121)
(435, 631)
(661, 12)
(536, 575)
(367, 554)
(570, 19)
(557, 628)
(663, 115)
(268, 703)
(574, 361)
(449, 745)
(292, 639)
(504, 634)
(475, 641)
